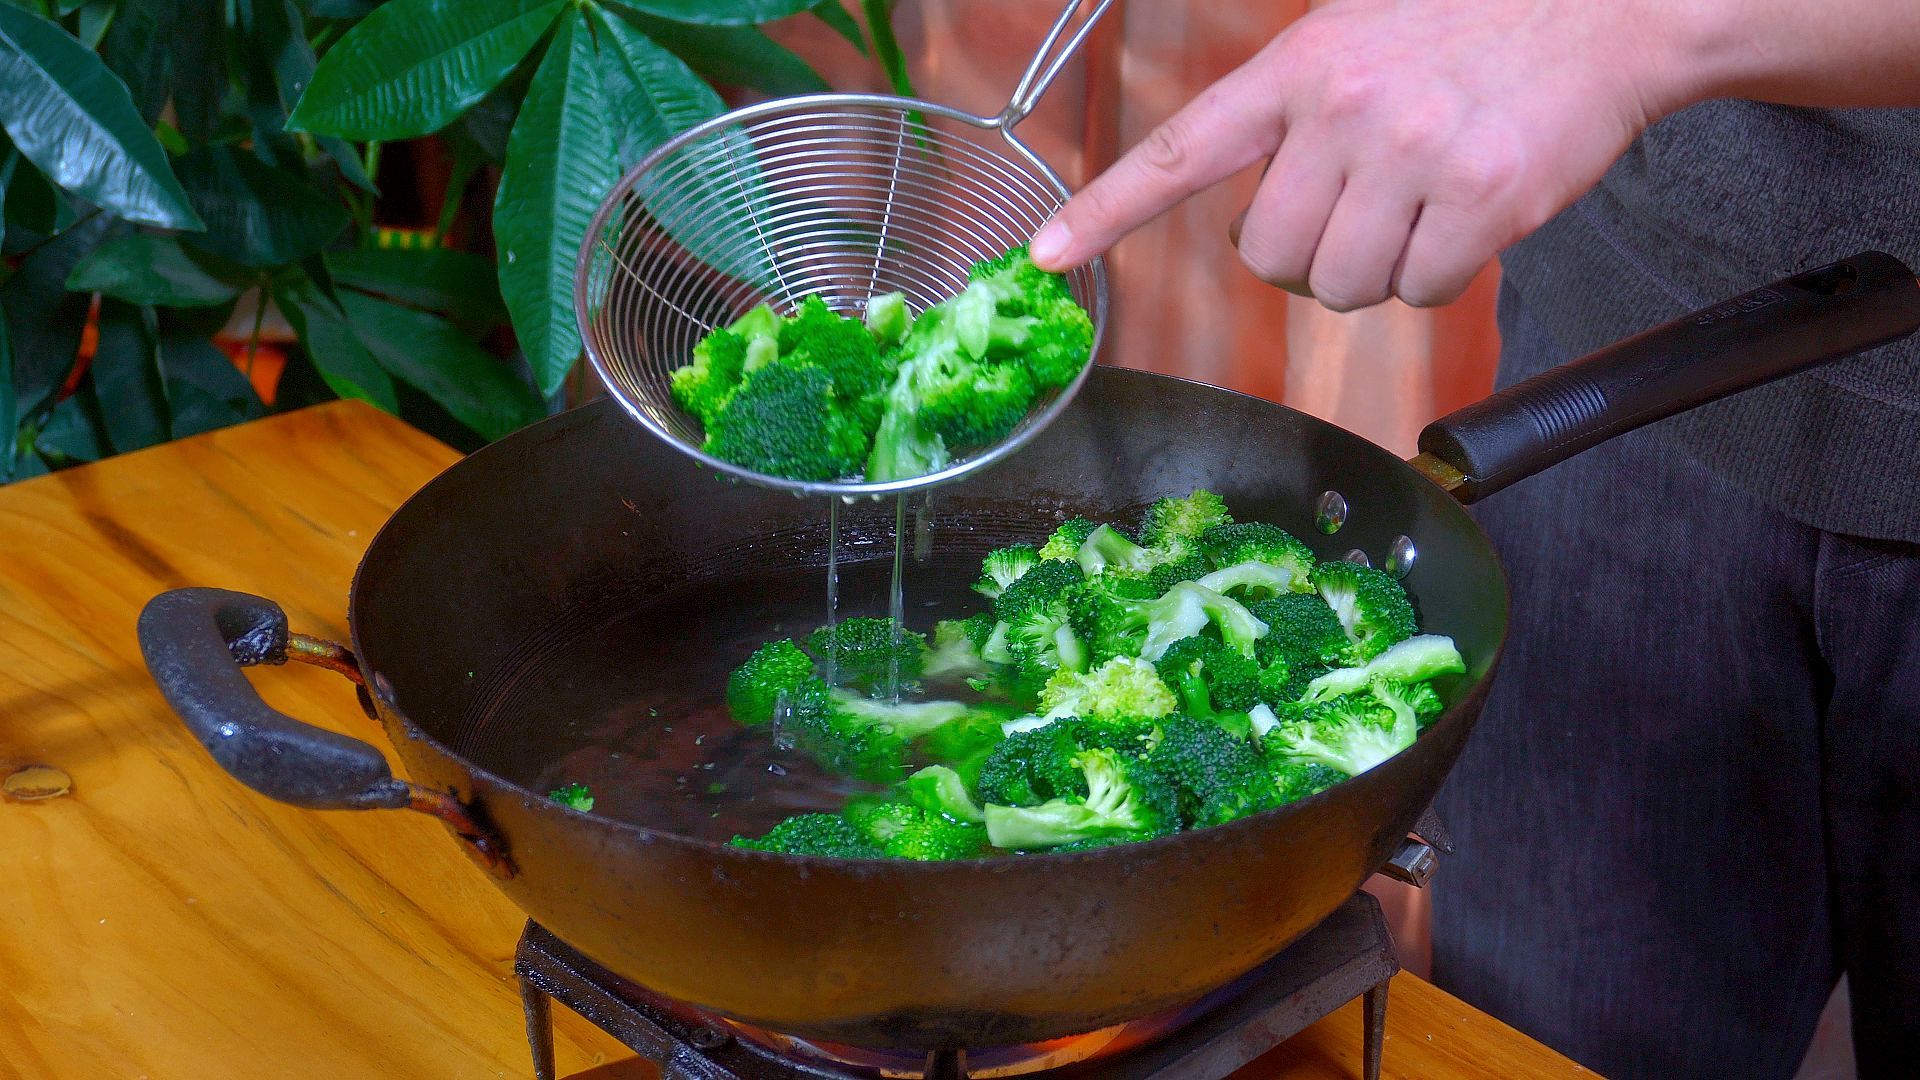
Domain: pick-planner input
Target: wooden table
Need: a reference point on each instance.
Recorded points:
(163, 922)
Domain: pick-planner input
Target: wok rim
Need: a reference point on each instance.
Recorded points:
(1465, 707)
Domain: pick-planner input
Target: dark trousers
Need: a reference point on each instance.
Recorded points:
(1693, 800)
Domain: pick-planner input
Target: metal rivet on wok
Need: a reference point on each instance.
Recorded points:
(708, 1037)
(35, 782)
(1357, 556)
(1400, 557)
(1330, 512)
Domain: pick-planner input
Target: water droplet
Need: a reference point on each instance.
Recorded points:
(1357, 556)
(1400, 557)
(776, 768)
(36, 782)
(228, 730)
(1330, 512)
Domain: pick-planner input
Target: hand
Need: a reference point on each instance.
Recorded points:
(1406, 143)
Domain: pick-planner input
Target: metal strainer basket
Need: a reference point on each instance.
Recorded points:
(846, 196)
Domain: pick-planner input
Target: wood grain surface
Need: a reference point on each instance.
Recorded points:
(162, 922)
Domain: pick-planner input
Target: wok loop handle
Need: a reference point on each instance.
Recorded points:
(1772, 332)
(195, 641)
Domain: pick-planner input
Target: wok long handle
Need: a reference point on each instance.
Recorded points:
(195, 641)
(1774, 331)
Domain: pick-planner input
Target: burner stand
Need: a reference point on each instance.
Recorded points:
(1349, 955)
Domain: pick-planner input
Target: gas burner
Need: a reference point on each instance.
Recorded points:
(1347, 956)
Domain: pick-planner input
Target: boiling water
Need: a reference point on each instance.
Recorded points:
(633, 707)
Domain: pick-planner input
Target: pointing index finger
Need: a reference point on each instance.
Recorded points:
(1230, 126)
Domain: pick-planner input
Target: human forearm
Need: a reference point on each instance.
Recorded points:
(1834, 53)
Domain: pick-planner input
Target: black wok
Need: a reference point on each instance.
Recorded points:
(572, 520)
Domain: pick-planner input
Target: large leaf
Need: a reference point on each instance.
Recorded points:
(341, 9)
(45, 318)
(74, 119)
(559, 166)
(330, 342)
(200, 68)
(412, 66)
(134, 51)
(840, 21)
(75, 431)
(147, 269)
(91, 24)
(281, 67)
(427, 353)
(127, 376)
(204, 388)
(459, 284)
(257, 215)
(653, 93)
(732, 55)
(723, 12)
(886, 46)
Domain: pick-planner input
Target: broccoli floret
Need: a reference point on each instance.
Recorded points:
(855, 735)
(905, 447)
(976, 404)
(704, 387)
(1426, 702)
(1108, 548)
(573, 796)
(1125, 797)
(1122, 688)
(1029, 767)
(1416, 659)
(1033, 315)
(814, 834)
(1295, 780)
(1253, 580)
(1165, 575)
(1257, 541)
(1041, 640)
(1173, 521)
(888, 319)
(814, 335)
(870, 652)
(776, 669)
(940, 790)
(903, 830)
(1219, 777)
(1066, 540)
(1038, 587)
(1302, 632)
(785, 421)
(1353, 732)
(954, 651)
(1004, 566)
(1371, 606)
(1209, 677)
(979, 627)
(965, 743)
(1188, 608)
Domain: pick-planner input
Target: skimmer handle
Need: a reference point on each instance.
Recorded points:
(1047, 62)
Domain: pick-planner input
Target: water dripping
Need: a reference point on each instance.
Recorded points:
(923, 529)
(896, 601)
(833, 587)
(1330, 512)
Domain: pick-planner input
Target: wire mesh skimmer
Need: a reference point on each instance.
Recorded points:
(846, 196)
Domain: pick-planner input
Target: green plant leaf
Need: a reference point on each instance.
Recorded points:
(731, 55)
(841, 21)
(93, 21)
(412, 66)
(342, 9)
(283, 58)
(75, 431)
(134, 51)
(722, 12)
(658, 95)
(559, 166)
(886, 46)
(9, 425)
(204, 388)
(427, 353)
(258, 215)
(128, 378)
(199, 68)
(45, 318)
(147, 269)
(459, 284)
(330, 343)
(73, 119)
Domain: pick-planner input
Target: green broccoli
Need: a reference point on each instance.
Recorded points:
(1122, 688)
(1108, 548)
(1370, 604)
(1066, 540)
(1033, 312)
(1172, 522)
(1416, 659)
(1004, 566)
(870, 652)
(954, 651)
(1029, 767)
(1040, 586)
(574, 796)
(1209, 677)
(1295, 780)
(1302, 631)
(903, 830)
(814, 834)
(1218, 776)
(775, 670)
(1189, 608)
(704, 386)
(970, 403)
(1256, 541)
(814, 335)
(1354, 732)
(888, 318)
(1125, 797)
(785, 421)
(940, 790)
(1253, 580)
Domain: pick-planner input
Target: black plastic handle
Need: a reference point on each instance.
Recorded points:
(1792, 325)
(195, 642)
